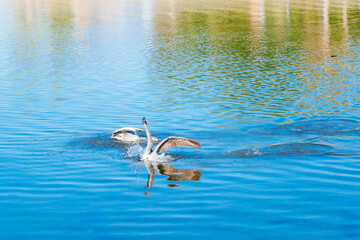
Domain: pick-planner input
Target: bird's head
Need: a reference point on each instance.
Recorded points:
(144, 120)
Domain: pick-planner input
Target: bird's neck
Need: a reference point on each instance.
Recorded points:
(150, 142)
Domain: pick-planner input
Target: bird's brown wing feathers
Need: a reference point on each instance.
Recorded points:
(171, 142)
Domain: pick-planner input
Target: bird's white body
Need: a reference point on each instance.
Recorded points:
(128, 135)
(146, 156)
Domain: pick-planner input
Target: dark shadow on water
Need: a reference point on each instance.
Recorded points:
(288, 149)
(310, 133)
(101, 142)
(104, 142)
(323, 127)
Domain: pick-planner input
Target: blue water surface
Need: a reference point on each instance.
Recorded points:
(270, 89)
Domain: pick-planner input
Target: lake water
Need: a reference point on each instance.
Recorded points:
(270, 89)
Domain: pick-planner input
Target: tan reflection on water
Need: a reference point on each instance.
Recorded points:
(173, 174)
(192, 43)
(310, 18)
(225, 35)
(324, 90)
(80, 12)
(266, 18)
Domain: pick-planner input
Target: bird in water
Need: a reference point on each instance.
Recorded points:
(165, 144)
(128, 134)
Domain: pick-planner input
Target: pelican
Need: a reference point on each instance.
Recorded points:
(128, 134)
(165, 144)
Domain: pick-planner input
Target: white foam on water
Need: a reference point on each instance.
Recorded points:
(134, 150)
(162, 158)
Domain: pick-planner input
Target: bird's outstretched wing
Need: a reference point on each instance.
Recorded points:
(171, 142)
(127, 130)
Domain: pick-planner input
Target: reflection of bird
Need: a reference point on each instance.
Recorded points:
(128, 134)
(174, 174)
(177, 174)
(165, 144)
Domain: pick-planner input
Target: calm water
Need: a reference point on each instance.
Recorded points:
(269, 88)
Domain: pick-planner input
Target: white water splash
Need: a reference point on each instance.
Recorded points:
(162, 158)
(253, 152)
(135, 150)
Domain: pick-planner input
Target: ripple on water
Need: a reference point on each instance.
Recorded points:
(71, 68)
(297, 149)
(317, 126)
